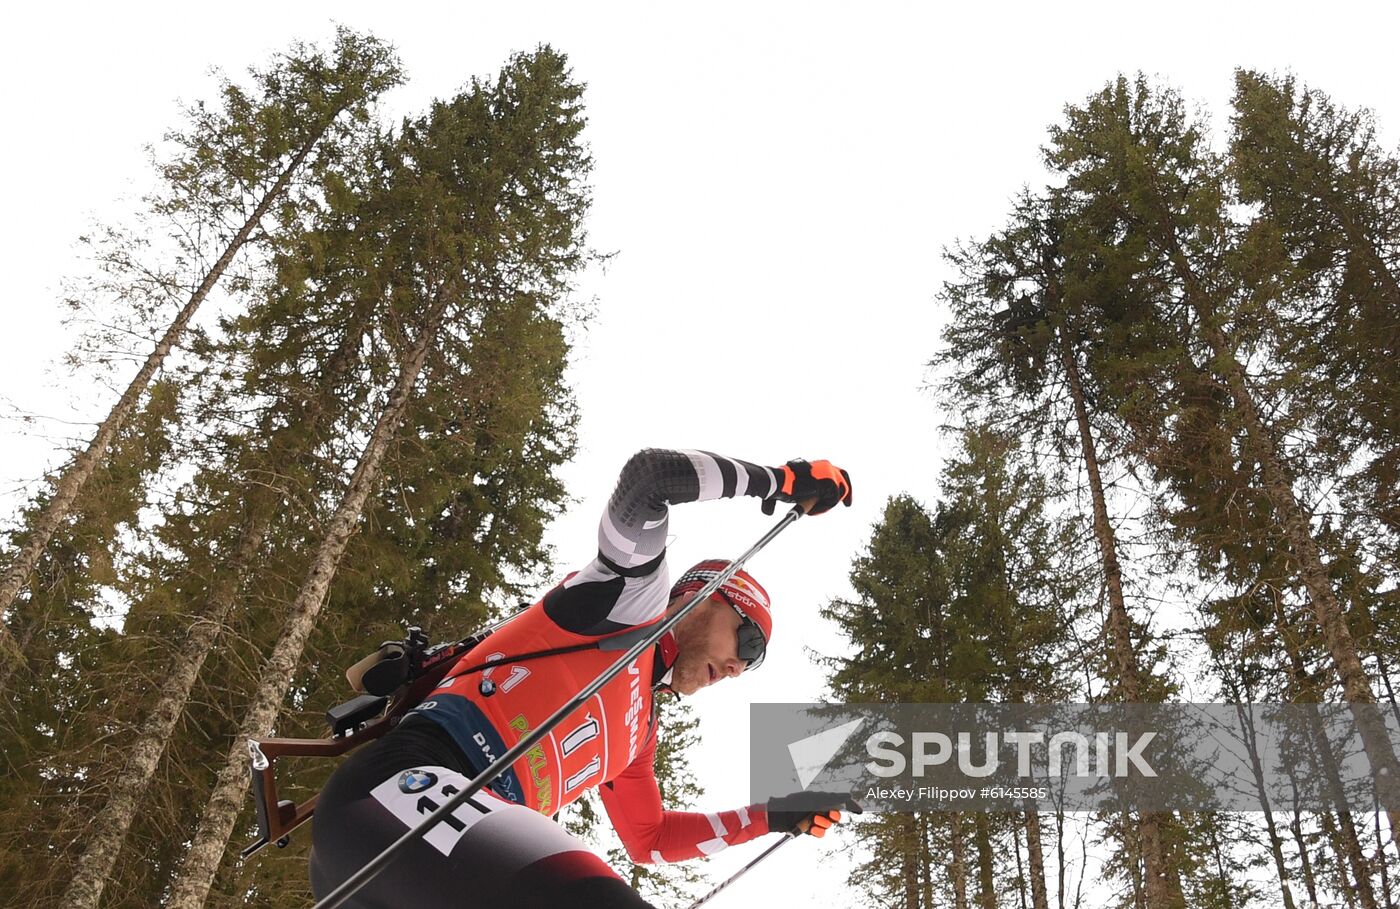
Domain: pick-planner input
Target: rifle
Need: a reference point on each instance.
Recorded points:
(393, 680)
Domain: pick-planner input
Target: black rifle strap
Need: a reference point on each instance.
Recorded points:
(620, 641)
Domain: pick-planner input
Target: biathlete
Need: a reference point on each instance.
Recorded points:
(500, 848)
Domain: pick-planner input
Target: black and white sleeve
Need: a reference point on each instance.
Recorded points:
(626, 584)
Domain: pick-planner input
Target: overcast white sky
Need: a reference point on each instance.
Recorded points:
(778, 181)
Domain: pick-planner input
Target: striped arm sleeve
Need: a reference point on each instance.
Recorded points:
(652, 835)
(632, 532)
(626, 584)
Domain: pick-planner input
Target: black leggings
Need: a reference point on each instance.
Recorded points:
(490, 853)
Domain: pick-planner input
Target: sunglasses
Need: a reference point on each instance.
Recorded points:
(752, 646)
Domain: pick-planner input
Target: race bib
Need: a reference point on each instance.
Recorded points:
(414, 794)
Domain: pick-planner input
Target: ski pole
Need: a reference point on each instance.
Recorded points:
(354, 882)
(787, 838)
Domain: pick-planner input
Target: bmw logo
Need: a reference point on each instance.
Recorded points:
(411, 781)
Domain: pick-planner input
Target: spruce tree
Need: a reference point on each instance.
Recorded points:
(1014, 580)
(234, 165)
(482, 210)
(58, 719)
(1328, 230)
(966, 604)
(900, 641)
(239, 493)
(1150, 200)
(1017, 347)
(1240, 664)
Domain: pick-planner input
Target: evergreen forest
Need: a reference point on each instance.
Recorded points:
(1173, 474)
(1173, 478)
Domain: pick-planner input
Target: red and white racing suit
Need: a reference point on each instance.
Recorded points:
(500, 846)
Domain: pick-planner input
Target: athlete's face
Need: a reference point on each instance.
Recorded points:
(708, 642)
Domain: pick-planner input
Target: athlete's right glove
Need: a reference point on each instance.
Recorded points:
(799, 481)
(809, 812)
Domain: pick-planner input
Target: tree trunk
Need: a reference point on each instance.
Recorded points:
(1384, 673)
(1340, 855)
(196, 875)
(959, 868)
(1251, 743)
(109, 828)
(1036, 859)
(1280, 864)
(909, 859)
(1277, 482)
(1020, 866)
(926, 857)
(1059, 858)
(72, 480)
(1309, 878)
(1296, 827)
(1343, 836)
(1163, 885)
(1132, 846)
(1382, 862)
(986, 882)
(1220, 873)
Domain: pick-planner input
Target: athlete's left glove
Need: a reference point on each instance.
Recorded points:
(799, 481)
(809, 812)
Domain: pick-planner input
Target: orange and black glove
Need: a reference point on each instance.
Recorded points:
(809, 812)
(821, 480)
